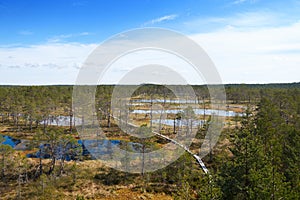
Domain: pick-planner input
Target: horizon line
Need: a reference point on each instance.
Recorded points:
(113, 84)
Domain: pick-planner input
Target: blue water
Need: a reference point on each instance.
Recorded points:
(10, 141)
(89, 147)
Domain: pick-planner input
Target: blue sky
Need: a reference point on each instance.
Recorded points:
(47, 41)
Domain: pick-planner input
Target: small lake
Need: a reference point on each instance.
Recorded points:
(170, 122)
(10, 141)
(89, 147)
(198, 111)
(61, 121)
(179, 101)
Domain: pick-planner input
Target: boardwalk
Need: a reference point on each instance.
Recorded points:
(198, 159)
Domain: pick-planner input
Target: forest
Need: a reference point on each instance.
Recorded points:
(257, 155)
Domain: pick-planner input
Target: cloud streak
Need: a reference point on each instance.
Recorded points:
(161, 19)
(62, 37)
(25, 32)
(243, 1)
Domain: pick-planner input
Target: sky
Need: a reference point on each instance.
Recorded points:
(249, 41)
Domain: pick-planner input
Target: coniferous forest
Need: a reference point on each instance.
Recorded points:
(257, 155)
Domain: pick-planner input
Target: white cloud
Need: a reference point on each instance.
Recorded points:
(161, 19)
(84, 33)
(239, 1)
(244, 20)
(255, 48)
(151, 66)
(259, 55)
(253, 19)
(42, 64)
(243, 1)
(62, 37)
(252, 47)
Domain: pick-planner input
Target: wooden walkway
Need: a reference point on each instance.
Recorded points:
(198, 159)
